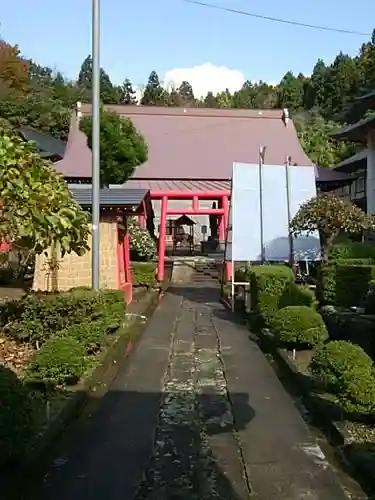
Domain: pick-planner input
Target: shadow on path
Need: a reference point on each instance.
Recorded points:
(115, 453)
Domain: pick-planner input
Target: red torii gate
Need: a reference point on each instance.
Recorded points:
(222, 198)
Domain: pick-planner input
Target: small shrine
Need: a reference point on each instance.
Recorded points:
(183, 234)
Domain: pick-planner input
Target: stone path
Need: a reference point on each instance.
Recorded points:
(198, 415)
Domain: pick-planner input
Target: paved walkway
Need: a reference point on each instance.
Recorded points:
(198, 415)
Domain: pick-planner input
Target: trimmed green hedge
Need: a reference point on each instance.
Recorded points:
(344, 284)
(40, 316)
(268, 285)
(60, 360)
(143, 273)
(70, 328)
(352, 250)
(352, 327)
(299, 326)
(273, 287)
(346, 371)
(297, 295)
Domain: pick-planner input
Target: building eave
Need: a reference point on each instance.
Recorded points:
(357, 132)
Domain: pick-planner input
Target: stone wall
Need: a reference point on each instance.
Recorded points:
(74, 271)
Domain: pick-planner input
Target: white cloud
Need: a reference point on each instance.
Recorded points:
(204, 78)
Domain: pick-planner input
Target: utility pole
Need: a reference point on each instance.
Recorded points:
(95, 248)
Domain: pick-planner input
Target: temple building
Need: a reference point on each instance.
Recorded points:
(361, 166)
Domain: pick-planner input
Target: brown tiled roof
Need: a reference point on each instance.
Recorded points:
(194, 143)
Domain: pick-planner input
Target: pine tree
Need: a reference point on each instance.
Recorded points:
(154, 94)
(127, 93)
(185, 91)
(210, 101)
(108, 93)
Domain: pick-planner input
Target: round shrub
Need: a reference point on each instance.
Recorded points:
(347, 371)
(338, 360)
(300, 326)
(16, 416)
(60, 360)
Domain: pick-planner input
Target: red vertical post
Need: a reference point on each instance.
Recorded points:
(142, 216)
(128, 272)
(195, 204)
(162, 234)
(225, 215)
(225, 221)
(120, 263)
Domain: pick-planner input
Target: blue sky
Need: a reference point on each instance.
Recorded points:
(167, 34)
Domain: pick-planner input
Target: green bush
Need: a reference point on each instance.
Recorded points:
(268, 284)
(369, 301)
(299, 326)
(297, 295)
(142, 245)
(16, 416)
(91, 334)
(346, 371)
(352, 250)
(39, 316)
(352, 284)
(143, 273)
(344, 283)
(60, 360)
(351, 326)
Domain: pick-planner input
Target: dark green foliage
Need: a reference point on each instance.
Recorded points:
(143, 273)
(60, 360)
(127, 93)
(39, 316)
(297, 295)
(16, 416)
(108, 92)
(154, 94)
(369, 301)
(347, 371)
(268, 284)
(122, 147)
(352, 250)
(344, 283)
(91, 334)
(299, 326)
(352, 284)
(353, 327)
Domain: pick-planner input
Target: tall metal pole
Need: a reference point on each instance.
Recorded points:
(288, 163)
(95, 250)
(262, 152)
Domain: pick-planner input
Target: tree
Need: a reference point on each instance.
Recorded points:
(291, 91)
(154, 94)
(37, 208)
(47, 115)
(127, 93)
(122, 147)
(210, 101)
(108, 93)
(13, 68)
(318, 144)
(330, 215)
(186, 94)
